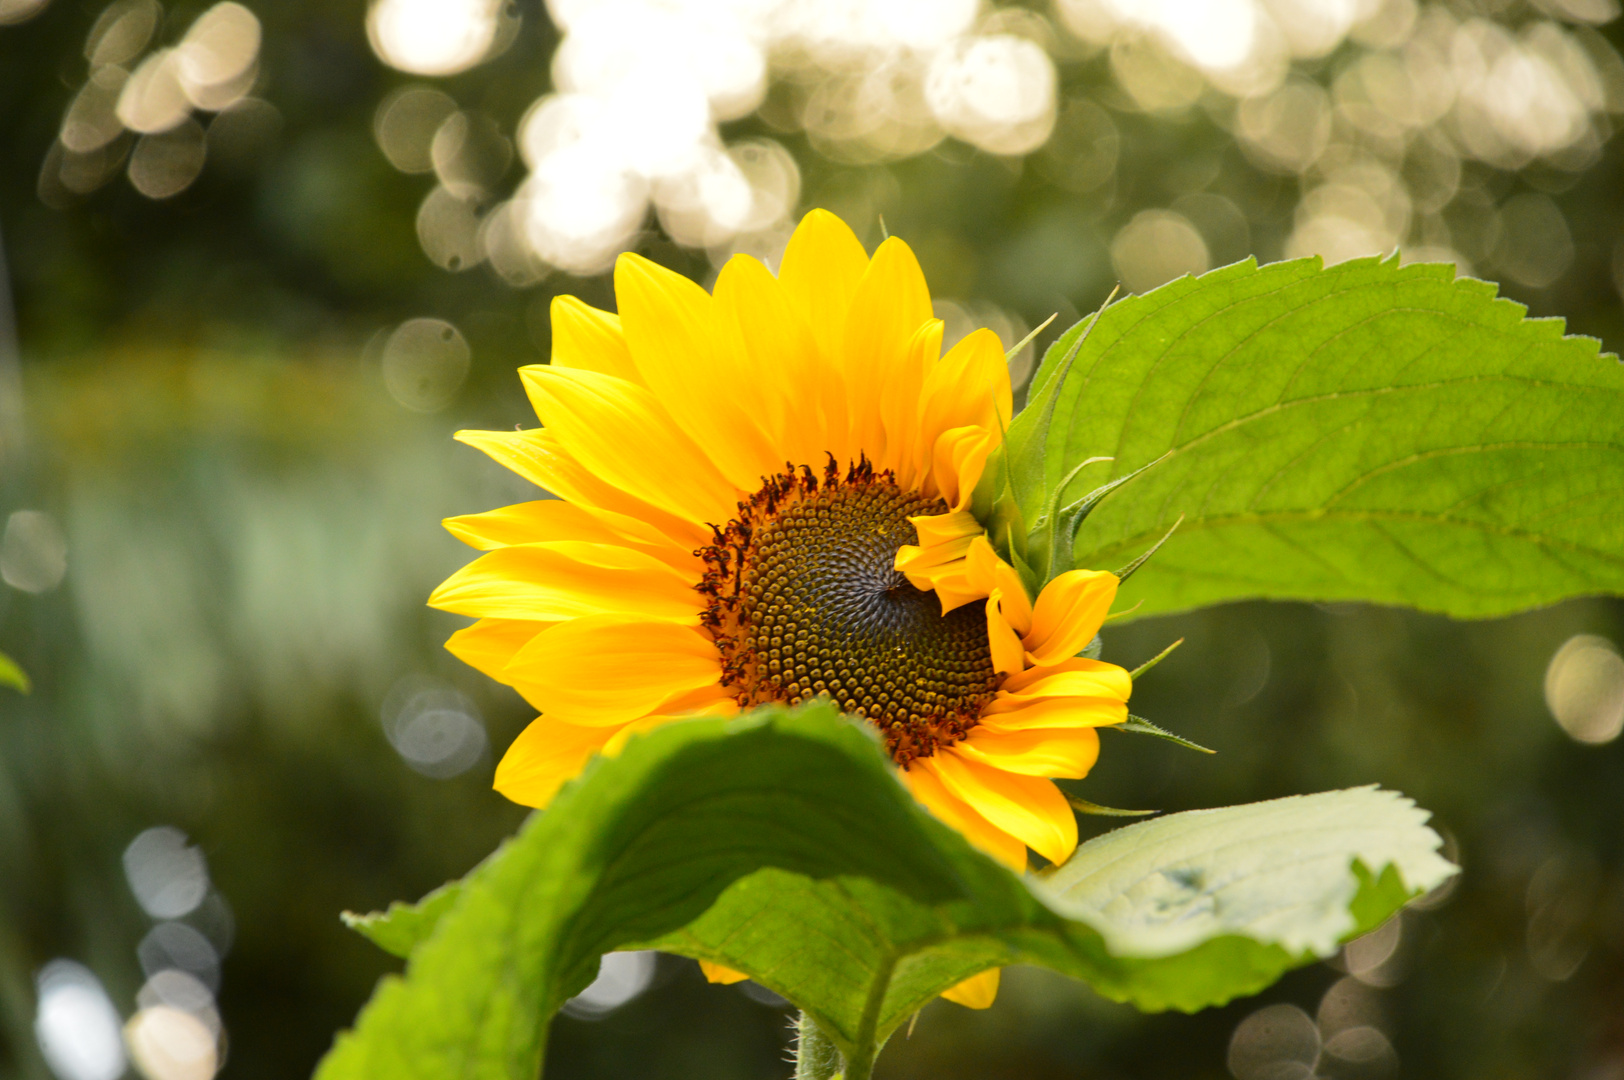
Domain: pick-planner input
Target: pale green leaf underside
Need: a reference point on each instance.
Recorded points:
(782, 844)
(1273, 871)
(1360, 432)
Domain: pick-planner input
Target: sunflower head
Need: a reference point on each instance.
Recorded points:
(762, 494)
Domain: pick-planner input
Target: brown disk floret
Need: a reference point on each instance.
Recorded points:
(804, 602)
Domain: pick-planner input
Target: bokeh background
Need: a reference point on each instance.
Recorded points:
(264, 259)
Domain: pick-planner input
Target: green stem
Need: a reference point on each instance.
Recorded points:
(816, 1058)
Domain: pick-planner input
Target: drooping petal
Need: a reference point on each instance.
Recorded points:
(890, 305)
(1029, 808)
(1069, 612)
(1065, 753)
(937, 562)
(928, 788)
(589, 339)
(957, 462)
(544, 756)
(556, 519)
(969, 386)
(693, 369)
(976, 992)
(1007, 654)
(566, 579)
(537, 456)
(987, 573)
(621, 434)
(610, 669)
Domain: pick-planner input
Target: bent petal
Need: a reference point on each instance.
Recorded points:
(1029, 808)
(926, 786)
(1010, 714)
(1057, 753)
(544, 756)
(566, 579)
(611, 669)
(1004, 642)
(1069, 612)
(976, 992)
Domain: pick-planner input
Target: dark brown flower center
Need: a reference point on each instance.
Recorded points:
(805, 602)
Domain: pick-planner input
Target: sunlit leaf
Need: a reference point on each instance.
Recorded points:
(13, 676)
(781, 844)
(1359, 432)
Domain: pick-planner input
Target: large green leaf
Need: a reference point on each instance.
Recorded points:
(783, 845)
(1360, 432)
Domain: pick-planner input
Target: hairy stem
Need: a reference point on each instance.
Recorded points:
(815, 1056)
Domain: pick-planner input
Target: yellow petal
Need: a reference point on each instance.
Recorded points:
(982, 834)
(899, 403)
(556, 519)
(1066, 753)
(937, 562)
(988, 573)
(976, 992)
(1007, 654)
(716, 973)
(969, 386)
(822, 266)
(565, 579)
(1029, 808)
(544, 756)
(891, 303)
(1069, 612)
(958, 460)
(1013, 713)
(781, 354)
(589, 339)
(695, 370)
(1077, 676)
(621, 434)
(537, 456)
(610, 669)
(489, 644)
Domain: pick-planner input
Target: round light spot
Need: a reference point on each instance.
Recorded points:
(424, 364)
(33, 552)
(153, 99)
(168, 876)
(165, 164)
(1584, 688)
(1156, 247)
(75, 1023)
(433, 37)
(405, 123)
(436, 730)
(1278, 1042)
(170, 1044)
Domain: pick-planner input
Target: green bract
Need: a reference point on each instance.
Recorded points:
(783, 845)
(1363, 432)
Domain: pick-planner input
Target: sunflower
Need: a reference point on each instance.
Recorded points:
(763, 495)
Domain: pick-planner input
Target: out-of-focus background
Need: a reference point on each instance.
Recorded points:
(263, 258)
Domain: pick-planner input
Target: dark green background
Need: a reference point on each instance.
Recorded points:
(252, 528)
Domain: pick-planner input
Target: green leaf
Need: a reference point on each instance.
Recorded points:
(13, 676)
(399, 929)
(783, 845)
(1360, 432)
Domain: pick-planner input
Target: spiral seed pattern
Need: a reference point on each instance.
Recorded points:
(806, 603)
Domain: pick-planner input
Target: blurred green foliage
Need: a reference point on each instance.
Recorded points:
(251, 526)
